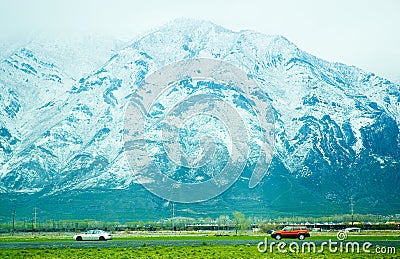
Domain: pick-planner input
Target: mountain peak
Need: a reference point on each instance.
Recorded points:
(187, 24)
(336, 126)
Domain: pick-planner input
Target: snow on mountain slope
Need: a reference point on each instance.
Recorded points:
(35, 80)
(337, 127)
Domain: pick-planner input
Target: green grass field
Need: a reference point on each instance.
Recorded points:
(174, 252)
(204, 249)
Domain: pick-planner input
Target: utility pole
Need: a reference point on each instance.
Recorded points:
(13, 222)
(34, 218)
(173, 216)
(352, 210)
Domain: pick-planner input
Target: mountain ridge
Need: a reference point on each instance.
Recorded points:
(334, 123)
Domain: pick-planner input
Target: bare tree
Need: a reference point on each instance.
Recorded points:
(240, 222)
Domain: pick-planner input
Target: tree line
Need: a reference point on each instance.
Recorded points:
(236, 222)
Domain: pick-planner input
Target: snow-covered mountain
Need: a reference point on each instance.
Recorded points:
(337, 127)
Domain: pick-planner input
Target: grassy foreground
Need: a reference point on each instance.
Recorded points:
(173, 252)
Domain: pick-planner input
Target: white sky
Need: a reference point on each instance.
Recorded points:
(355, 32)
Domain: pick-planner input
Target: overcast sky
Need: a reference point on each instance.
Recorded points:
(365, 33)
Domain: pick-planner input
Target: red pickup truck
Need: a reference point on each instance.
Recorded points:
(299, 232)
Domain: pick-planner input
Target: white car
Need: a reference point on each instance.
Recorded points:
(352, 230)
(93, 235)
